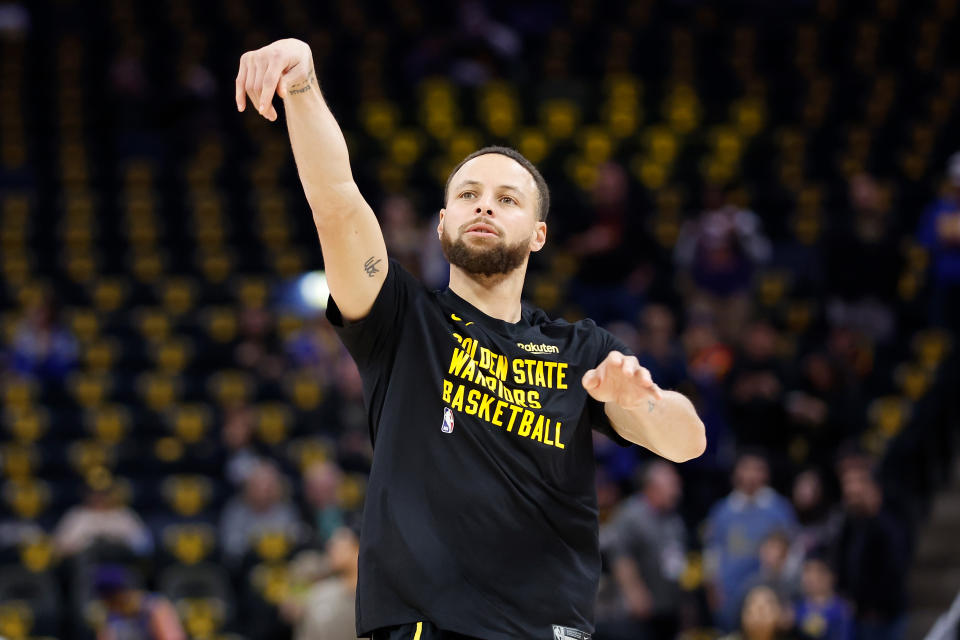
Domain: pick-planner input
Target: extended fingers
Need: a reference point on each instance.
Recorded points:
(240, 84)
(271, 78)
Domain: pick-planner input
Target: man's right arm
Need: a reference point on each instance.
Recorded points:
(354, 252)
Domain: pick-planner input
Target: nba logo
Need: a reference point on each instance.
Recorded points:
(447, 426)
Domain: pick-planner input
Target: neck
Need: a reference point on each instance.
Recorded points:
(498, 296)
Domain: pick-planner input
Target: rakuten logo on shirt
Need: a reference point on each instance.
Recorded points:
(539, 348)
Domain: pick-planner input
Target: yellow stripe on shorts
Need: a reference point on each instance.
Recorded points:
(416, 636)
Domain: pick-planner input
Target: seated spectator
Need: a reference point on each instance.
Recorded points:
(261, 508)
(940, 233)
(132, 613)
(326, 611)
(646, 540)
(101, 517)
(775, 571)
(321, 491)
(763, 617)
(660, 352)
(720, 251)
(756, 386)
(42, 346)
(237, 437)
(872, 557)
(735, 529)
(821, 613)
(258, 348)
(818, 520)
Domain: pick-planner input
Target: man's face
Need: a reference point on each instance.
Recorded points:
(750, 475)
(490, 223)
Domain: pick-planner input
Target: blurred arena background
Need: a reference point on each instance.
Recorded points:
(758, 196)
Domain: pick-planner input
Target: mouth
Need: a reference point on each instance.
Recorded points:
(481, 229)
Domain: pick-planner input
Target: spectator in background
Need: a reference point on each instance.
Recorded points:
(646, 541)
(720, 251)
(261, 508)
(237, 437)
(775, 571)
(101, 517)
(321, 491)
(756, 388)
(763, 617)
(660, 352)
(258, 348)
(132, 613)
(940, 233)
(314, 349)
(872, 558)
(327, 610)
(823, 408)
(41, 345)
(818, 520)
(821, 613)
(735, 529)
(864, 262)
(610, 283)
(401, 232)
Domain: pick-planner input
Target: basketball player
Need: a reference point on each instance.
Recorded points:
(480, 518)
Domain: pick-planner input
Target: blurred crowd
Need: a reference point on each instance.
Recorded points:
(761, 204)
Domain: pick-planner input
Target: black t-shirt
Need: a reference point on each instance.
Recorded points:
(480, 513)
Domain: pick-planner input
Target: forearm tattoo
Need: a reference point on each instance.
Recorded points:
(370, 266)
(304, 86)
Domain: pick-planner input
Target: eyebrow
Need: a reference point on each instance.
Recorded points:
(467, 183)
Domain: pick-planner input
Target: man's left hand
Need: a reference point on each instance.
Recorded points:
(621, 380)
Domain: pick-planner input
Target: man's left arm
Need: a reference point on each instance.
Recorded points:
(664, 422)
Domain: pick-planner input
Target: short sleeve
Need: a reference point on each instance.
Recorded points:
(373, 340)
(598, 416)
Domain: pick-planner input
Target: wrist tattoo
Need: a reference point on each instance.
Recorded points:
(370, 266)
(304, 86)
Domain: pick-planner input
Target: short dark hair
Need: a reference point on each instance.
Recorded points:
(542, 190)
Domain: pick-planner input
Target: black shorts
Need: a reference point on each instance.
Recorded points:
(417, 631)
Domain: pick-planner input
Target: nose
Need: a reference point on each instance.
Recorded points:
(488, 211)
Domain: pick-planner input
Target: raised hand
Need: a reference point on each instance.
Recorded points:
(281, 68)
(621, 380)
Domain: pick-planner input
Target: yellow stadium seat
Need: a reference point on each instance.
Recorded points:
(99, 356)
(90, 389)
(88, 456)
(187, 495)
(153, 323)
(230, 387)
(220, 323)
(19, 460)
(109, 423)
(173, 356)
(26, 497)
(158, 390)
(889, 414)
(931, 346)
(26, 424)
(84, 324)
(19, 392)
(190, 422)
(189, 543)
(307, 451)
(559, 117)
(274, 421)
(913, 380)
(304, 390)
(271, 581)
(177, 295)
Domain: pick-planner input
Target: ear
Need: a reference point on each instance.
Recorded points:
(443, 212)
(539, 237)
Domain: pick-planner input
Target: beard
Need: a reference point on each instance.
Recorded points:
(499, 259)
